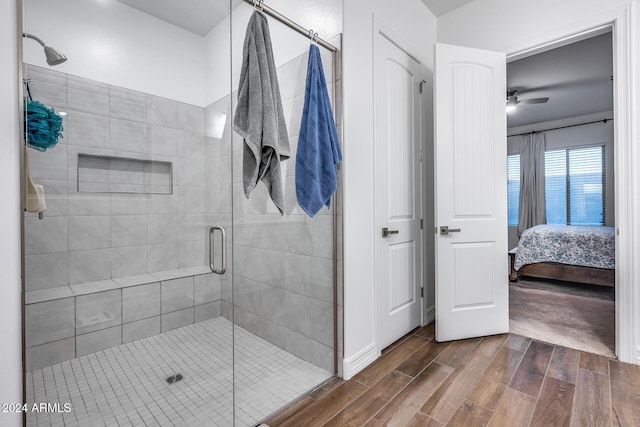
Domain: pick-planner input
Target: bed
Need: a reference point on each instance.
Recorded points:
(571, 253)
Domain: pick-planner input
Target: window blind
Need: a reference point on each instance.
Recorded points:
(555, 187)
(513, 188)
(575, 190)
(574, 186)
(586, 186)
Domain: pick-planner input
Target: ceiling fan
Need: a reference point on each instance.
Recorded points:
(512, 100)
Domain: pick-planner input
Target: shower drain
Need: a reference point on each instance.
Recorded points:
(174, 378)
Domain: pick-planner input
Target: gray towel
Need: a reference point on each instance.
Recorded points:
(259, 118)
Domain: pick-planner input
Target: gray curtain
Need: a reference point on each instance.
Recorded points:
(532, 202)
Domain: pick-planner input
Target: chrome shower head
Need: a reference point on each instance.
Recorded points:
(53, 56)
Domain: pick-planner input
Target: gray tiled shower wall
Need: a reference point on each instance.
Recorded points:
(87, 237)
(91, 255)
(283, 264)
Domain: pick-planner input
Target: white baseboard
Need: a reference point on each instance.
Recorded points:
(430, 315)
(359, 361)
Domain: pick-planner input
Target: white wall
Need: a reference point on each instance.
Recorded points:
(10, 302)
(416, 26)
(501, 24)
(113, 43)
(635, 162)
(513, 26)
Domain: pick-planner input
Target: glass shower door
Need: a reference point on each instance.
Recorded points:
(124, 319)
(282, 297)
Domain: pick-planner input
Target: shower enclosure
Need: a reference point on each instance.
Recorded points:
(125, 322)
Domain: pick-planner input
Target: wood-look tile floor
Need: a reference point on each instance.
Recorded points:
(502, 380)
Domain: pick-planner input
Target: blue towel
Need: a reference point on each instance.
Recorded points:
(318, 146)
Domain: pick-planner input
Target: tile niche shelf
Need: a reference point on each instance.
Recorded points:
(110, 174)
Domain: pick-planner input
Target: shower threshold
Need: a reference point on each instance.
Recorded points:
(127, 385)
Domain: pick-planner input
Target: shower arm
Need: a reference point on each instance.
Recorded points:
(31, 36)
(53, 56)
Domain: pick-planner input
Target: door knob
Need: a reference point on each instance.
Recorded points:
(386, 232)
(445, 230)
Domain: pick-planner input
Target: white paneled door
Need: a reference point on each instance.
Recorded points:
(398, 191)
(472, 296)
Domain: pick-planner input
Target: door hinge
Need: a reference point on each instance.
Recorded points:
(421, 292)
(421, 223)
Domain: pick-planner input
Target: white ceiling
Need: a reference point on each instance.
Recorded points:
(575, 77)
(197, 16)
(440, 7)
(201, 16)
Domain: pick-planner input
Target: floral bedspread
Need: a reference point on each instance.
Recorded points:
(569, 244)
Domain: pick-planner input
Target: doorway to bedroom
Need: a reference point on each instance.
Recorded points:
(561, 173)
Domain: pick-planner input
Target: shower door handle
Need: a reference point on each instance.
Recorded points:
(223, 257)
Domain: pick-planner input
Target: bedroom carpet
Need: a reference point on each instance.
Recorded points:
(572, 315)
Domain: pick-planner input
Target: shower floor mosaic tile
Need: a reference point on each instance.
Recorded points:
(126, 385)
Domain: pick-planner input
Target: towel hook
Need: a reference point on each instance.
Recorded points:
(313, 36)
(258, 5)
